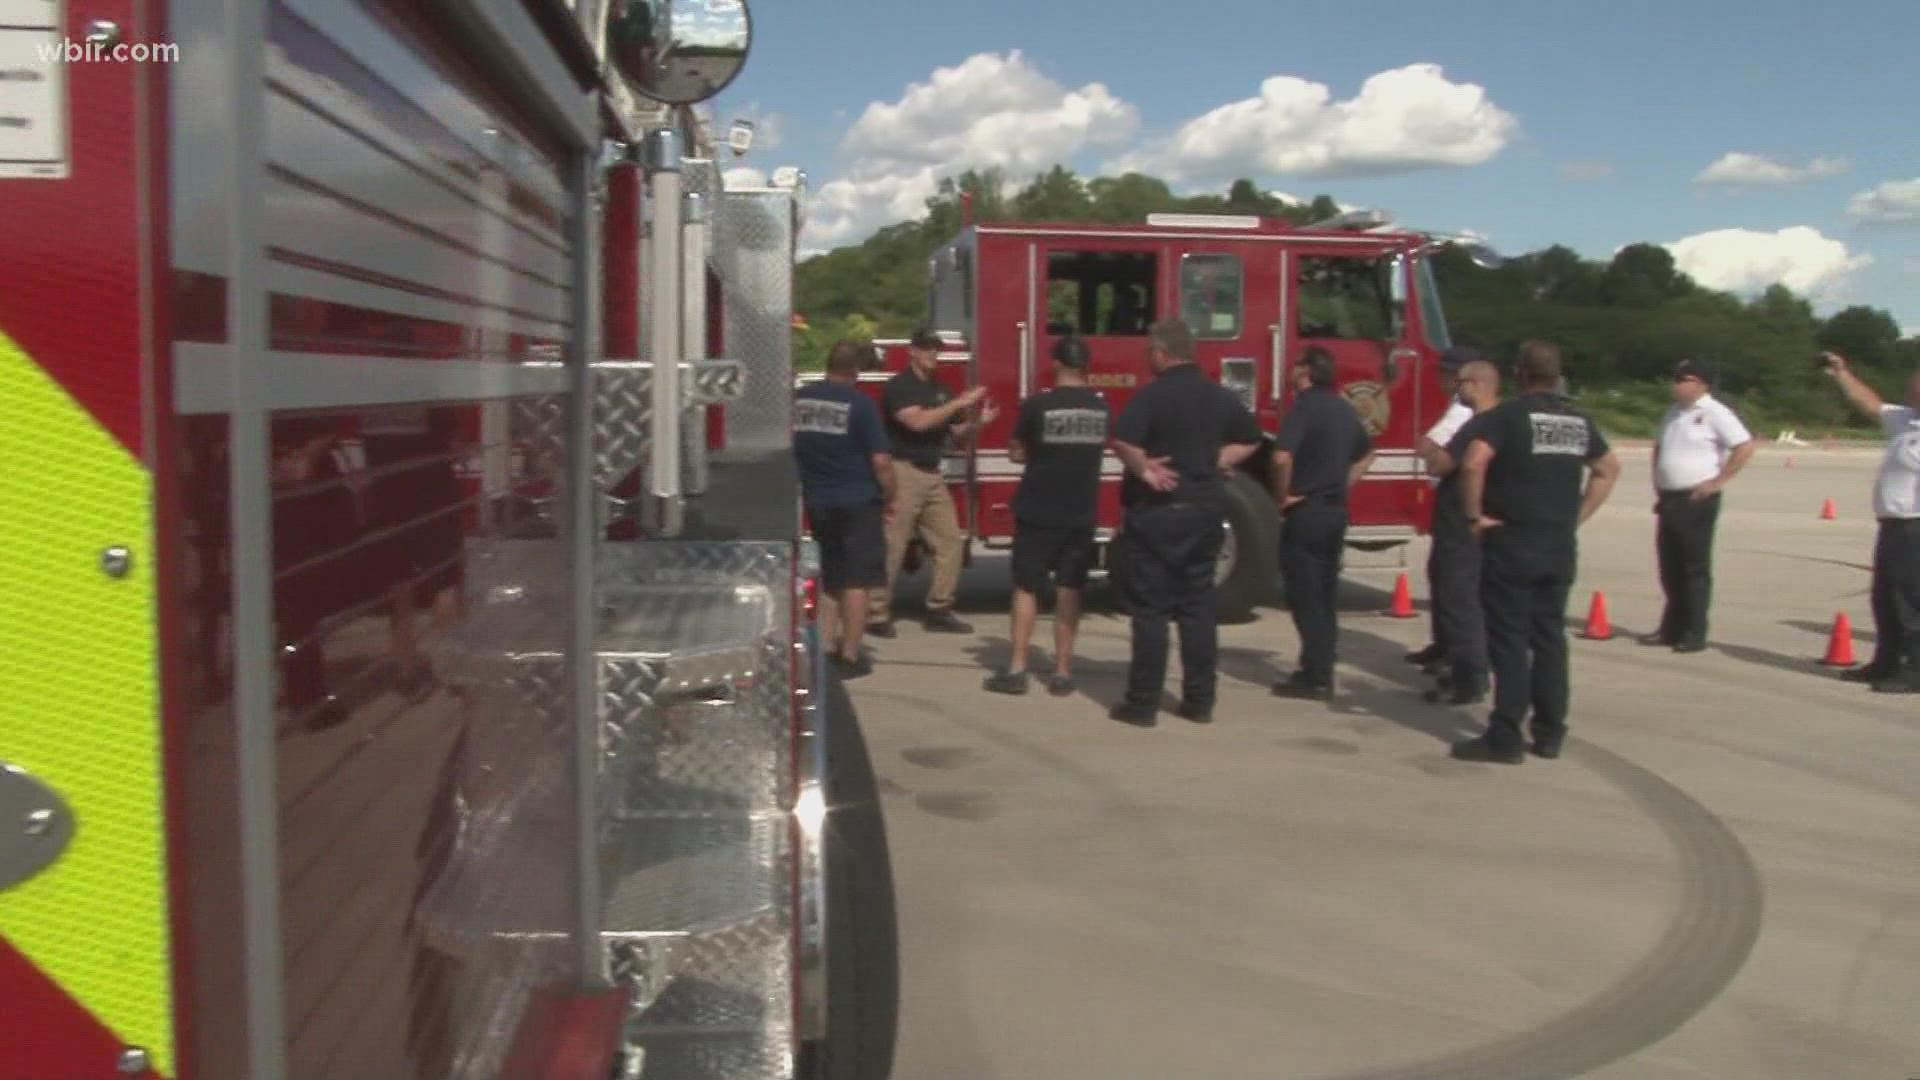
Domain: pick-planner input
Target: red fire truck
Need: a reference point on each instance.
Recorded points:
(406, 663)
(1256, 292)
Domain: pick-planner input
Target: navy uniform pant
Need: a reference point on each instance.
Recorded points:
(1685, 545)
(1312, 540)
(1170, 553)
(1896, 597)
(1453, 574)
(1525, 576)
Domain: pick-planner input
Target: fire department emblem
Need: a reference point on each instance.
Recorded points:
(1370, 401)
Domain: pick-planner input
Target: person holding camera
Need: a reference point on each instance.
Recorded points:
(1895, 668)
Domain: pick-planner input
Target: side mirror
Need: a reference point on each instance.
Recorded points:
(679, 52)
(1485, 257)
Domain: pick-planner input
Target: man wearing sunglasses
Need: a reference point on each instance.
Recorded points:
(1702, 447)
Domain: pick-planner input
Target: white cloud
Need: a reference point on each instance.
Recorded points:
(1747, 261)
(1896, 202)
(1737, 169)
(1585, 171)
(1407, 118)
(991, 110)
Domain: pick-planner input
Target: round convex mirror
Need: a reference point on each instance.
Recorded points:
(679, 51)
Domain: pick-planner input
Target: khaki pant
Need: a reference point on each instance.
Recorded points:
(921, 503)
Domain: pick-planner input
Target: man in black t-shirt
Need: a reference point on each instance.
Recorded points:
(1521, 487)
(1061, 436)
(1177, 438)
(846, 481)
(1321, 450)
(922, 417)
(1454, 568)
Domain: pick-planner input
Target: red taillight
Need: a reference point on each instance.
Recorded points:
(810, 597)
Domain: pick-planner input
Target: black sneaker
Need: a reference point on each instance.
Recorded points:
(1296, 687)
(1059, 685)
(1007, 682)
(1199, 714)
(885, 630)
(1899, 683)
(945, 622)
(1661, 641)
(1546, 750)
(1426, 656)
(857, 668)
(1690, 647)
(1483, 749)
(1868, 674)
(1138, 715)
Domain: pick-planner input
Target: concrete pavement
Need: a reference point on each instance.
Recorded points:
(1720, 879)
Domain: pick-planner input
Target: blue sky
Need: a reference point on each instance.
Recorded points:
(1587, 125)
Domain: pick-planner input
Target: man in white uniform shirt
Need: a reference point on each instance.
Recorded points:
(1432, 449)
(1702, 446)
(1895, 668)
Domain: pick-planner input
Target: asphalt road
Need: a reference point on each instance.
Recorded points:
(1720, 879)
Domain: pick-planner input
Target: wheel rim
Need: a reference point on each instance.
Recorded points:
(1229, 555)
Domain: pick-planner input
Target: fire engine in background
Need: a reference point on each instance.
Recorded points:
(406, 663)
(1256, 292)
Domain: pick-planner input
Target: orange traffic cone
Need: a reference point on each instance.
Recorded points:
(1402, 600)
(1598, 628)
(1828, 511)
(1840, 643)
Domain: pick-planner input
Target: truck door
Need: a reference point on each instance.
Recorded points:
(1352, 303)
(1231, 302)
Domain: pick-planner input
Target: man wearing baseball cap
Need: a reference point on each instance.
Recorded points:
(922, 417)
(1702, 446)
(1061, 437)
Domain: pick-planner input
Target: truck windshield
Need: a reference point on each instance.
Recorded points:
(1431, 314)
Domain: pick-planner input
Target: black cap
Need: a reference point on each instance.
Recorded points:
(1458, 357)
(1698, 369)
(924, 338)
(1072, 352)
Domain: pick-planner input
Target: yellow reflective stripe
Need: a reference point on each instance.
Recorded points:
(79, 703)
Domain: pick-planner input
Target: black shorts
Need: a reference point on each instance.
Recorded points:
(853, 546)
(1062, 552)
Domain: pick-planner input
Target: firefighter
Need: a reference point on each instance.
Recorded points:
(1702, 446)
(1061, 436)
(1321, 450)
(922, 416)
(846, 482)
(1177, 438)
(1522, 490)
(1431, 446)
(1454, 566)
(1895, 668)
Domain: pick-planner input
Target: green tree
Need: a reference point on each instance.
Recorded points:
(1055, 195)
(1643, 275)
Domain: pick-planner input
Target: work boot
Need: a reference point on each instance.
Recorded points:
(1547, 749)
(883, 630)
(945, 622)
(1904, 682)
(1199, 714)
(1423, 657)
(1128, 712)
(1454, 693)
(1690, 647)
(1484, 749)
(1297, 685)
(1656, 641)
(1868, 674)
(1007, 682)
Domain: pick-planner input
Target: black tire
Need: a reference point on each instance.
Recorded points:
(863, 946)
(1256, 544)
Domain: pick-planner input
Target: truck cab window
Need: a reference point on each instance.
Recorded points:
(1350, 298)
(1210, 295)
(1100, 293)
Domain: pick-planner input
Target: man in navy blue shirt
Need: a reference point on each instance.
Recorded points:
(846, 481)
(1321, 451)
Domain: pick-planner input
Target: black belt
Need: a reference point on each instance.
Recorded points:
(924, 467)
